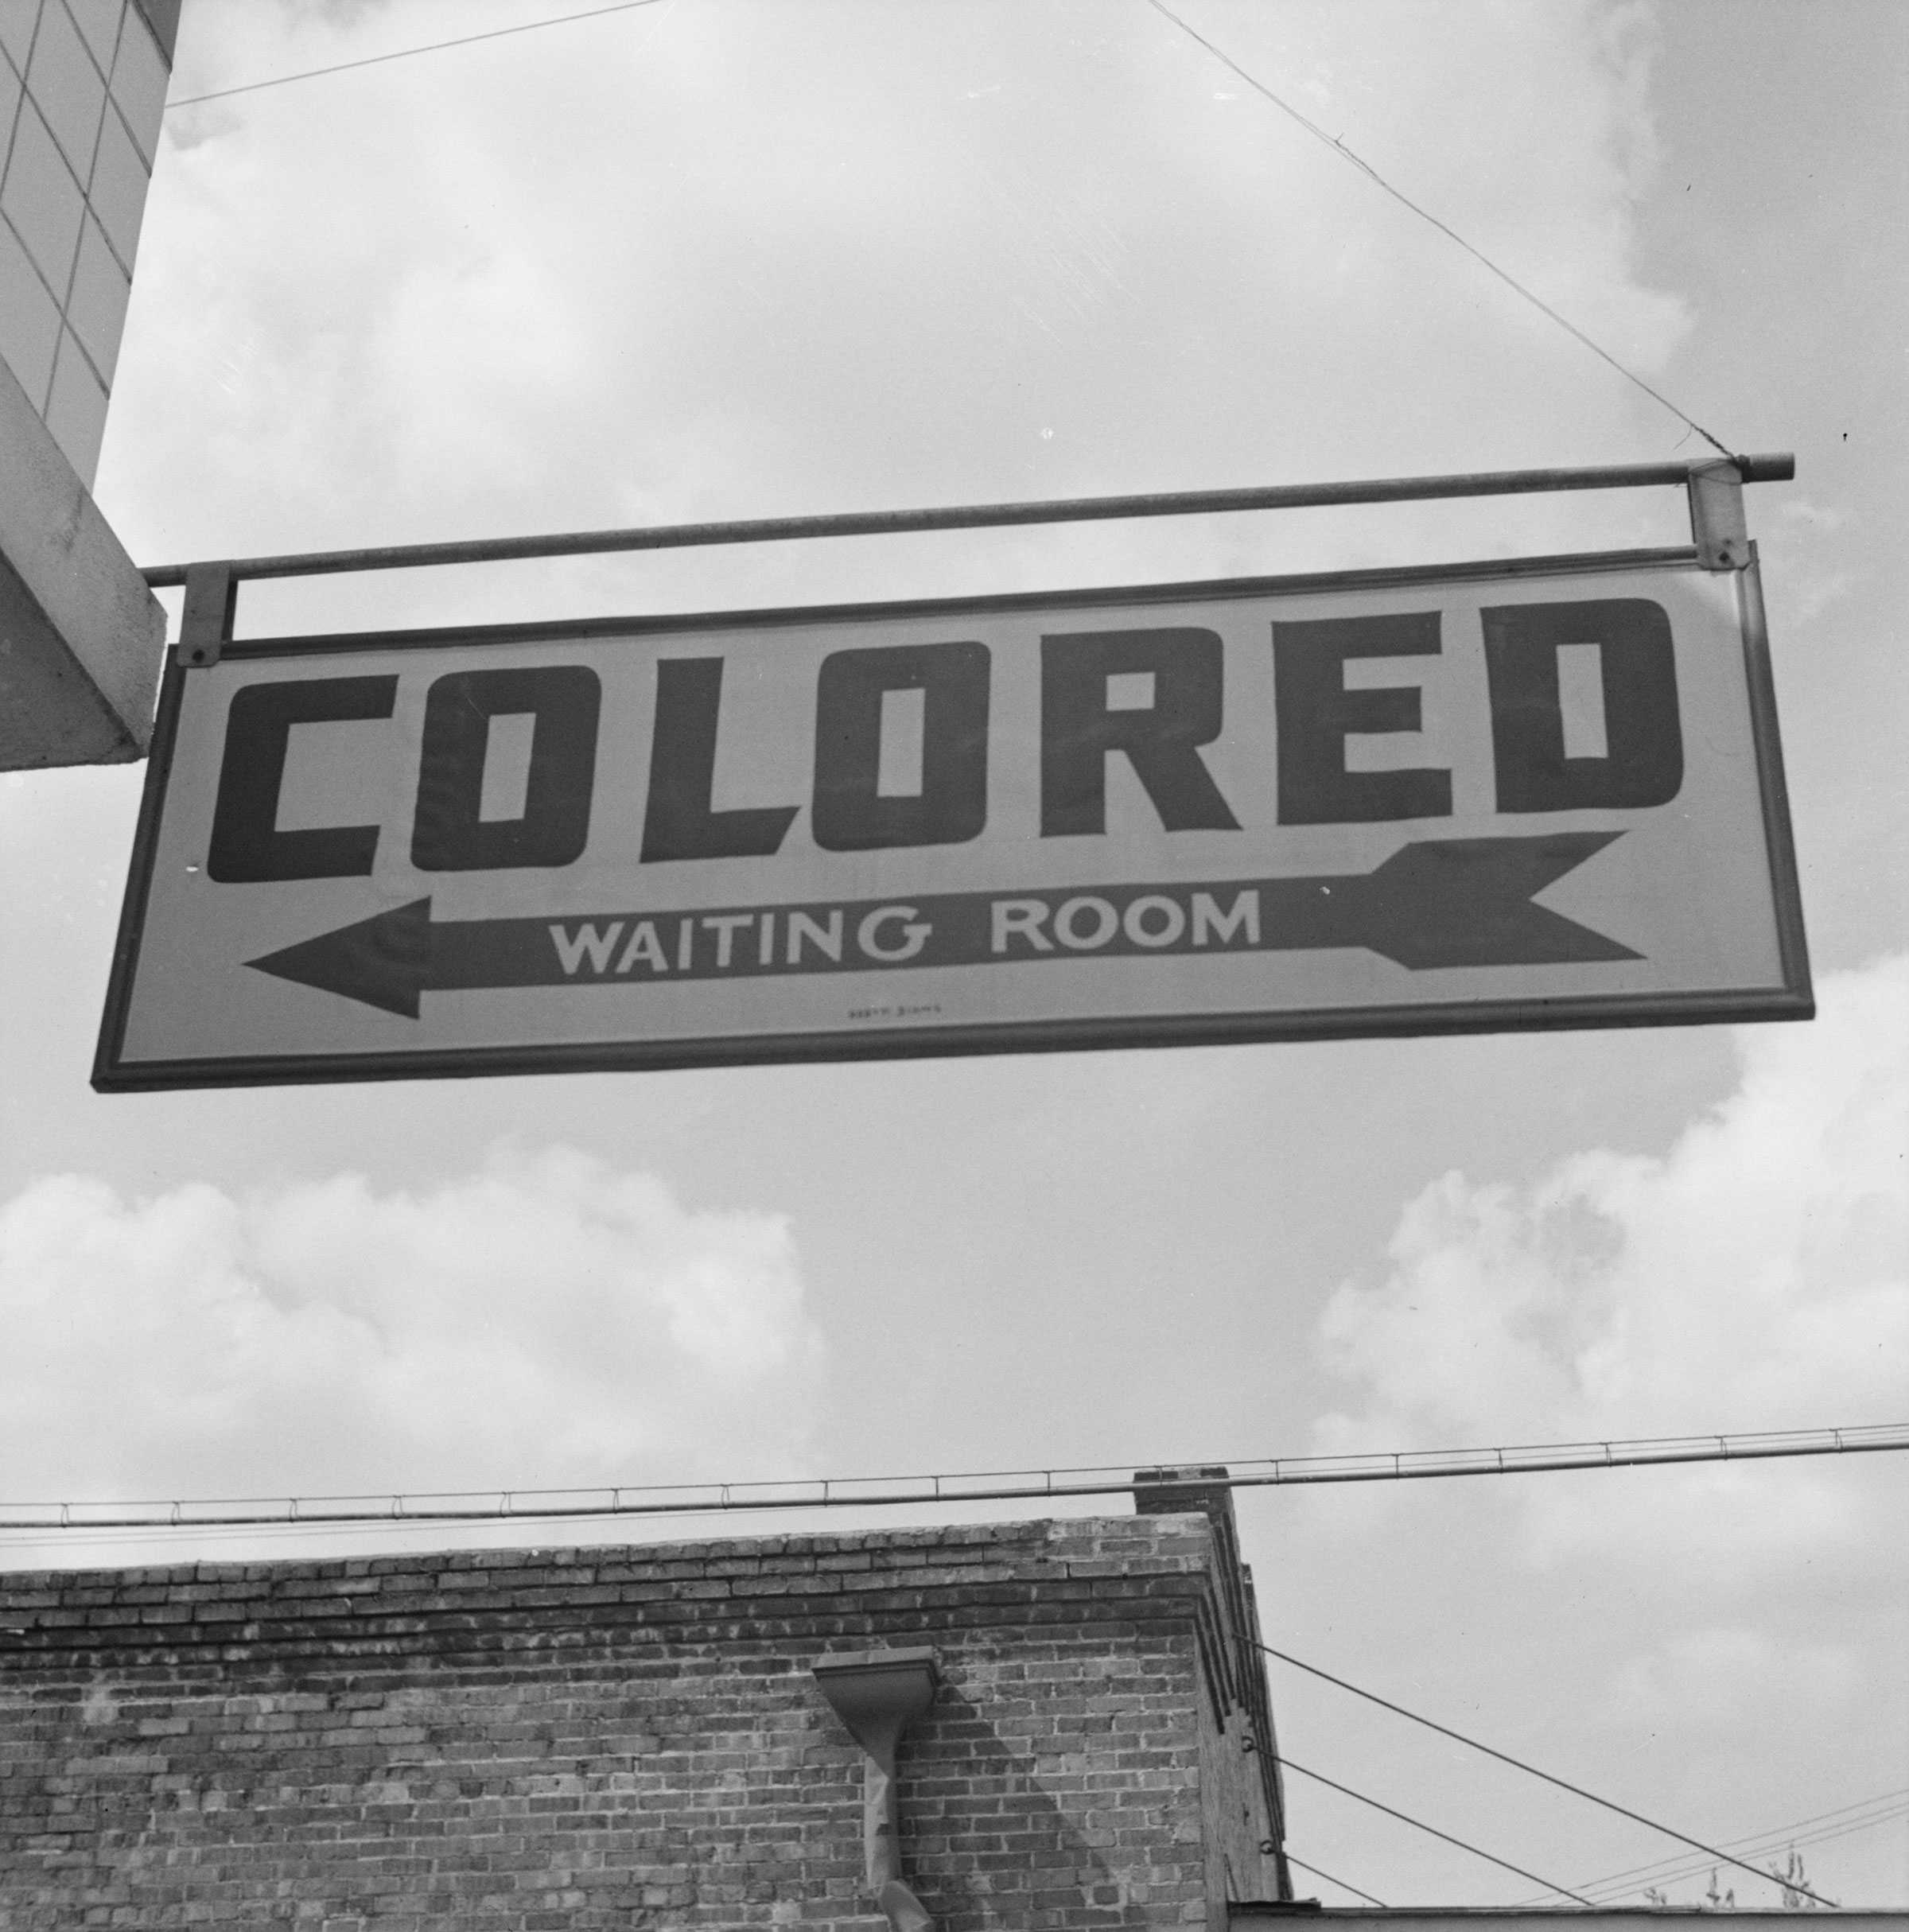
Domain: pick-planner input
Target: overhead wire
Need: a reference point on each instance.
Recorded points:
(1340, 1882)
(1505, 1757)
(1675, 1871)
(1219, 54)
(1419, 1824)
(404, 54)
(1365, 168)
(1884, 1808)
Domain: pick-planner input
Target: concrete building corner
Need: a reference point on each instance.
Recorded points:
(82, 638)
(83, 87)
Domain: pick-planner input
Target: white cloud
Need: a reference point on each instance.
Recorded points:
(1807, 512)
(1711, 1676)
(1719, 1645)
(545, 1321)
(1755, 1277)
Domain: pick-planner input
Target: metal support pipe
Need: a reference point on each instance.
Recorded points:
(729, 1499)
(1779, 467)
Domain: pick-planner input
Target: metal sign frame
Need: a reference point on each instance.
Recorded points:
(1717, 514)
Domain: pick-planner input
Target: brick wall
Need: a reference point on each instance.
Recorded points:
(1243, 1804)
(629, 1737)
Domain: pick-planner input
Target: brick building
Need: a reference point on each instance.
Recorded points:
(683, 1735)
(82, 91)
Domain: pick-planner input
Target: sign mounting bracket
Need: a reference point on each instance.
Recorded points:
(1773, 467)
(211, 599)
(1717, 525)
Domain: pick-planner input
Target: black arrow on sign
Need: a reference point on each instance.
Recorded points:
(1437, 903)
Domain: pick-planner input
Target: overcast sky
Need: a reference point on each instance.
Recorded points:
(726, 257)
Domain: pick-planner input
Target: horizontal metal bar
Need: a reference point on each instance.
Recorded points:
(1777, 468)
(733, 1498)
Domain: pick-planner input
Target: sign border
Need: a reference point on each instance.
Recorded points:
(1792, 999)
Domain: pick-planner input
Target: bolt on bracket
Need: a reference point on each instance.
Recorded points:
(205, 626)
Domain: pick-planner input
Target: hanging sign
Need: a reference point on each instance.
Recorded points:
(1493, 796)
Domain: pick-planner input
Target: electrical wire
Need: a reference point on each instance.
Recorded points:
(1365, 168)
(404, 54)
(1258, 86)
(1672, 1872)
(1491, 1858)
(1884, 1808)
(1340, 1882)
(1503, 1757)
